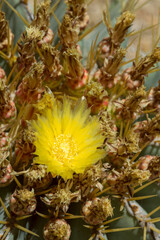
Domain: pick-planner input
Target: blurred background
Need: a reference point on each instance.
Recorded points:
(147, 14)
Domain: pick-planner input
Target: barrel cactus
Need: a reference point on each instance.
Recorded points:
(79, 124)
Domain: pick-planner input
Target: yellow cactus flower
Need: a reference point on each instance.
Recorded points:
(67, 138)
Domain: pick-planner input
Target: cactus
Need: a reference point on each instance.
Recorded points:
(79, 125)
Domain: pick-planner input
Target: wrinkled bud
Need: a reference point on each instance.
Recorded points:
(57, 229)
(6, 176)
(37, 177)
(23, 202)
(97, 210)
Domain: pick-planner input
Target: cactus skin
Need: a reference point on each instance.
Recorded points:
(78, 231)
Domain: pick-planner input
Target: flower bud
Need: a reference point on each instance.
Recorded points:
(23, 202)
(37, 177)
(97, 210)
(57, 229)
(5, 173)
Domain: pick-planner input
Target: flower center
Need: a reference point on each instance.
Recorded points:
(64, 148)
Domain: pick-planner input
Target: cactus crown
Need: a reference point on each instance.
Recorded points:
(79, 124)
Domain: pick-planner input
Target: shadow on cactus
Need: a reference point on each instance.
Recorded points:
(80, 124)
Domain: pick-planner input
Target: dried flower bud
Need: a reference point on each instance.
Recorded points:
(96, 95)
(4, 146)
(148, 129)
(121, 27)
(128, 177)
(4, 33)
(144, 161)
(3, 27)
(78, 10)
(51, 60)
(24, 147)
(108, 125)
(92, 177)
(150, 163)
(7, 106)
(46, 102)
(83, 20)
(47, 38)
(3, 78)
(72, 68)
(108, 47)
(97, 210)
(42, 18)
(6, 176)
(37, 177)
(135, 75)
(26, 50)
(60, 198)
(79, 82)
(131, 105)
(68, 31)
(154, 97)
(154, 167)
(33, 34)
(23, 202)
(103, 51)
(126, 77)
(111, 67)
(30, 89)
(57, 229)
